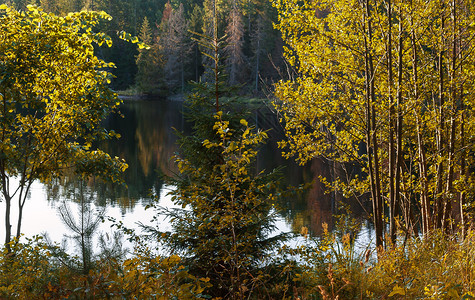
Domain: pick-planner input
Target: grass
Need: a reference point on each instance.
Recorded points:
(438, 266)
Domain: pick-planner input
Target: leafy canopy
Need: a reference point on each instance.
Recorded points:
(53, 94)
(384, 87)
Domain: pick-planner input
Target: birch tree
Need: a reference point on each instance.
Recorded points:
(53, 96)
(384, 88)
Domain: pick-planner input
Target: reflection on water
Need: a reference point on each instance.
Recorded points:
(316, 206)
(148, 142)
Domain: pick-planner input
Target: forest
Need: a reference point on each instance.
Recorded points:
(253, 48)
(381, 90)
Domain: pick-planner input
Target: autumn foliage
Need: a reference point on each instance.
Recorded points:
(385, 90)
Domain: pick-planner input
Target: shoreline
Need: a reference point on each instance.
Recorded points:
(141, 97)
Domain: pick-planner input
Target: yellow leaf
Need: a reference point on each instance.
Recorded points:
(453, 294)
(143, 46)
(397, 290)
(467, 295)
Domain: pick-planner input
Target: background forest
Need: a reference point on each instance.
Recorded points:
(254, 48)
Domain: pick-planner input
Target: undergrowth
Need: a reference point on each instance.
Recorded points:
(437, 266)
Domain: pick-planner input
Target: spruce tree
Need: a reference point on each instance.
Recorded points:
(224, 228)
(236, 59)
(176, 46)
(149, 77)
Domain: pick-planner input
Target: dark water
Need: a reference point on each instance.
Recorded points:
(148, 143)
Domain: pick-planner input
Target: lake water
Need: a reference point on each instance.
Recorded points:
(147, 143)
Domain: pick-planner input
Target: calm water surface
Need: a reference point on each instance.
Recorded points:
(147, 143)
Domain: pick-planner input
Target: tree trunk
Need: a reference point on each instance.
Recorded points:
(392, 154)
(451, 153)
(257, 63)
(439, 199)
(463, 171)
(426, 215)
(8, 226)
(21, 203)
(399, 123)
(371, 137)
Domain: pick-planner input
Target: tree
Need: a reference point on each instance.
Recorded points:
(225, 234)
(257, 41)
(176, 46)
(121, 53)
(83, 225)
(49, 6)
(383, 88)
(235, 60)
(83, 230)
(224, 230)
(53, 95)
(149, 77)
(196, 25)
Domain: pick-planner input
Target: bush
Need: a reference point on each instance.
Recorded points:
(437, 266)
(35, 271)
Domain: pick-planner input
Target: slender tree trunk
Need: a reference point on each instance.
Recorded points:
(392, 154)
(426, 215)
(216, 56)
(463, 171)
(371, 137)
(463, 165)
(439, 204)
(398, 129)
(8, 226)
(182, 74)
(21, 203)
(197, 78)
(425, 203)
(8, 205)
(452, 139)
(377, 177)
(392, 228)
(258, 37)
(257, 63)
